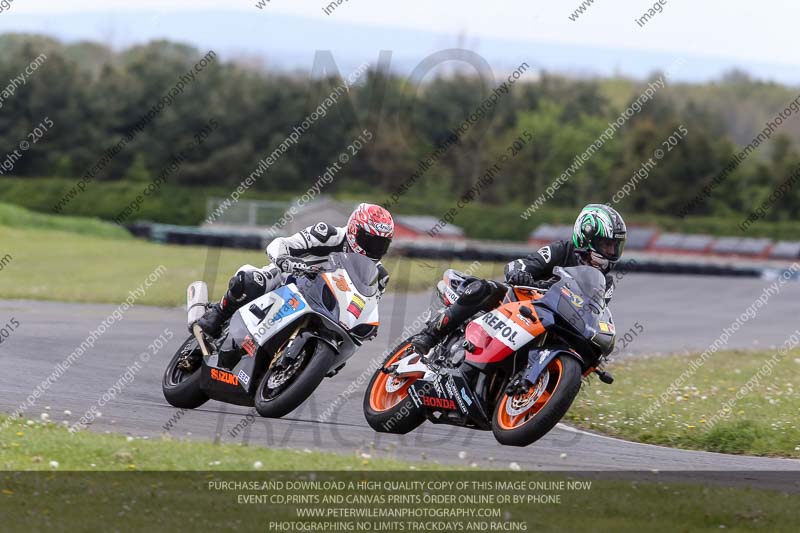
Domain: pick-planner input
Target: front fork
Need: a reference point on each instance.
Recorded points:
(288, 352)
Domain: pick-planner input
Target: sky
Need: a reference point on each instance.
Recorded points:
(755, 36)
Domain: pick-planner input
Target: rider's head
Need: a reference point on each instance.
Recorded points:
(370, 230)
(599, 236)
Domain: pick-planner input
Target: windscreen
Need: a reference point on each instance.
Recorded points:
(578, 297)
(361, 270)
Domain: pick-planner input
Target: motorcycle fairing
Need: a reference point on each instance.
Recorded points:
(539, 358)
(228, 385)
(447, 391)
(501, 332)
(353, 307)
(451, 285)
(575, 308)
(239, 340)
(274, 309)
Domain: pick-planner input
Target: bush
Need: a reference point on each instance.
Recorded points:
(186, 206)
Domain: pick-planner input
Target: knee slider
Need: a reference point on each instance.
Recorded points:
(247, 285)
(254, 283)
(474, 293)
(236, 286)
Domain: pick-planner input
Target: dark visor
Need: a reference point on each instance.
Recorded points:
(374, 246)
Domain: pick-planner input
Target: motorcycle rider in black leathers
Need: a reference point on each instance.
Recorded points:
(598, 240)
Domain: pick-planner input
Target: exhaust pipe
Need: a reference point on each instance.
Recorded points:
(196, 300)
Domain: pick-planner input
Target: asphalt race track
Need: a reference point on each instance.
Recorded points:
(677, 313)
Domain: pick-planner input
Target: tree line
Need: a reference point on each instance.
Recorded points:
(95, 96)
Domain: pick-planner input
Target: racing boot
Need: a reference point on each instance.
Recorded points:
(211, 322)
(436, 330)
(426, 339)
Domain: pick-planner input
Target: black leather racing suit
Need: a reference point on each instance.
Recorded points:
(484, 295)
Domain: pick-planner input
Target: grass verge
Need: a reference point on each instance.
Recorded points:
(34, 445)
(109, 480)
(17, 217)
(75, 267)
(763, 422)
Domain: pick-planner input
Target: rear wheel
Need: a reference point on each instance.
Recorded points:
(524, 418)
(181, 387)
(388, 407)
(282, 391)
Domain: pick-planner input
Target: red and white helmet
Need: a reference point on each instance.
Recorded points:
(370, 230)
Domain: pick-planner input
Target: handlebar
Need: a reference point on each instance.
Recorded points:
(310, 270)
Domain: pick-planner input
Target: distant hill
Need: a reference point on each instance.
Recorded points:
(289, 42)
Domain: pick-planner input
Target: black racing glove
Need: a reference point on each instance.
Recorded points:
(521, 277)
(292, 265)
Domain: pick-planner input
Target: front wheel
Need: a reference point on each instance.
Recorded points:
(181, 387)
(523, 419)
(388, 407)
(282, 391)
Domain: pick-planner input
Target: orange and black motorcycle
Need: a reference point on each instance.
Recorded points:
(514, 370)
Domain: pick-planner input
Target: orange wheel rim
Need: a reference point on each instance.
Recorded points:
(526, 406)
(388, 391)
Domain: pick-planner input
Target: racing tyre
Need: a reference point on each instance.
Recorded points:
(281, 392)
(181, 388)
(523, 419)
(388, 407)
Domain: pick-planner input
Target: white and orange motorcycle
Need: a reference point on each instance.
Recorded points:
(275, 351)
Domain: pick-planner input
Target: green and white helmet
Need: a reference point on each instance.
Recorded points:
(600, 232)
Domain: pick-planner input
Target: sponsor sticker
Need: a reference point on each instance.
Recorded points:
(543, 356)
(453, 390)
(243, 377)
(606, 327)
(356, 306)
(505, 330)
(249, 346)
(412, 392)
(341, 283)
(438, 403)
(292, 304)
(224, 377)
(574, 299)
(383, 227)
(465, 396)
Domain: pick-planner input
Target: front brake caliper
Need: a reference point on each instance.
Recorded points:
(518, 386)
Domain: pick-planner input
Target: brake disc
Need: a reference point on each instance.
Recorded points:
(280, 377)
(394, 384)
(518, 404)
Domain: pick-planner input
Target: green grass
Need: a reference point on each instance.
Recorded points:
(68, 266)
(764, 422)
(17, 217)
(33, 446)
(135, 483)
(171, 204)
